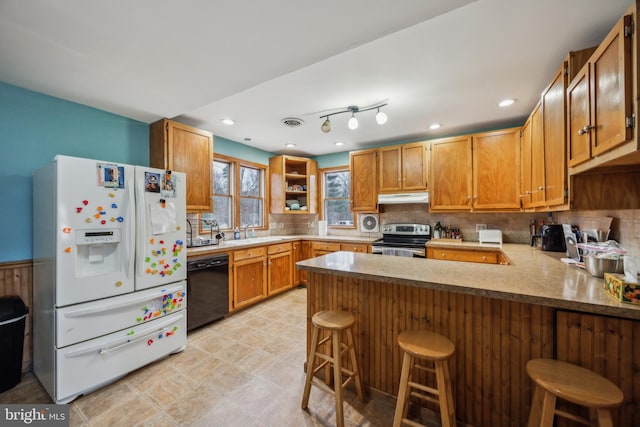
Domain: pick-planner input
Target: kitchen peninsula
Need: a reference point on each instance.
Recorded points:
(498, 316)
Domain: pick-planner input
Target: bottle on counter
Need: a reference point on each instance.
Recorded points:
(437, 231)
(236, 234)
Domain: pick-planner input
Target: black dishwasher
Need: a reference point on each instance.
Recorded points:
(207, 290)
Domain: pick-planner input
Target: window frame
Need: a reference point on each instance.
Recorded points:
(234, 177)
(323, 214)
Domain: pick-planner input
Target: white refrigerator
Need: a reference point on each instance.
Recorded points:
(109, 271)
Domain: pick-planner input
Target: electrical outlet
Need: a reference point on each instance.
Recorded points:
(481, 227)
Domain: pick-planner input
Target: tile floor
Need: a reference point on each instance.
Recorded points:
(246, 370)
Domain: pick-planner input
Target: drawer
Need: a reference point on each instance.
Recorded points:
(280, 247)
(355, 247)
(487, 257)
(249, 253)
(325, 246)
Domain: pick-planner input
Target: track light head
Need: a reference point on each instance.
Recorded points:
(381, 117)
(326, 126)
(353, 122)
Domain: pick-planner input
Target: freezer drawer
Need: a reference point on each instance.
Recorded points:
(82, 322)
(83, 367)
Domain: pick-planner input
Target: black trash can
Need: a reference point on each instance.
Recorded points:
(13, 315)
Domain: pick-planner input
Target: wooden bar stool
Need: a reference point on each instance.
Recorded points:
(557, 379)
(336, 322)
(425, 345)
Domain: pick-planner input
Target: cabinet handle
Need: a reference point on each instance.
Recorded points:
(585, 129)
(484, 258)
(443, 255)
(541, 188)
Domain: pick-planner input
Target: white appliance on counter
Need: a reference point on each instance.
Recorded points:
(109, 273)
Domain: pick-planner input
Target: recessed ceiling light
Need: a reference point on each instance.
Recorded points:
(339, 143)
(435, 126)
(290, 145)
(506, 102)
(227, 122)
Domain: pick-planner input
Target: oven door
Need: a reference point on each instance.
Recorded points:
(406, 251)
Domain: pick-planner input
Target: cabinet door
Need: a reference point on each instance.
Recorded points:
(364, 180)
(414, 166)
(537, 157)
(450, 174)
(182, 148)
(578, 104)
(525, 152)
(249, 281)
(280, 274)
(301, 251)
(555, 136)
(390, 169)
(496, 170)
(611, 89)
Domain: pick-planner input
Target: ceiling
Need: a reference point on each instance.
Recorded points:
(258, 62)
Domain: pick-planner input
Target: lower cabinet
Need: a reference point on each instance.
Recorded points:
(279, 268)
(467, 255)
(249, 276)
(301, 251)
(355, 247)
(323, 248)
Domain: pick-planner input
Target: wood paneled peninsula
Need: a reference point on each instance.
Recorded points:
(498, 316)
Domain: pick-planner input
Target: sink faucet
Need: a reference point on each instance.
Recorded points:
(246, 229)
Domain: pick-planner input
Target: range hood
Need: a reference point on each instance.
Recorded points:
(402, 198)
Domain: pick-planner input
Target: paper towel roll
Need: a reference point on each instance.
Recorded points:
(322, 228)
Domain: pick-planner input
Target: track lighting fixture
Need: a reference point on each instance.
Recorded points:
(381, 117)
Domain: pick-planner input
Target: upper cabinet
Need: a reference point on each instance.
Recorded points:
(363, 168)
(403, 168)
(175, 146)
(293, 182)
(496, 170)
(476, 172)
(532, 152)
(543, 141)
(600, 103)
(450, 174)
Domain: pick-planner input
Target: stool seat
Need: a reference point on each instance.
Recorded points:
(574, 383)
(333, 320)
(557, 379)
(426, 345)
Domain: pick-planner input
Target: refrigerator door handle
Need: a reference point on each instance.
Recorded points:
(106, 307)
(106, 348)
(131, 232)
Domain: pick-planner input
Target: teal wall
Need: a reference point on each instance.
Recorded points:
(33, 129)
(241, 151)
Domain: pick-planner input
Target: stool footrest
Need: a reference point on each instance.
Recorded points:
(425, 388)
(572, 417)
(411, 423)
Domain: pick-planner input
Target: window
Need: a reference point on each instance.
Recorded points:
(251, 200)
(238, 194)
(336, 190)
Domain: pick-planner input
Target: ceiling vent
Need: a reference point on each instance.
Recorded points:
(292, 122)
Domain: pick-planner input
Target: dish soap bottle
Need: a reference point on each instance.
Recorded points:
(236, 234)
(437, 231)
